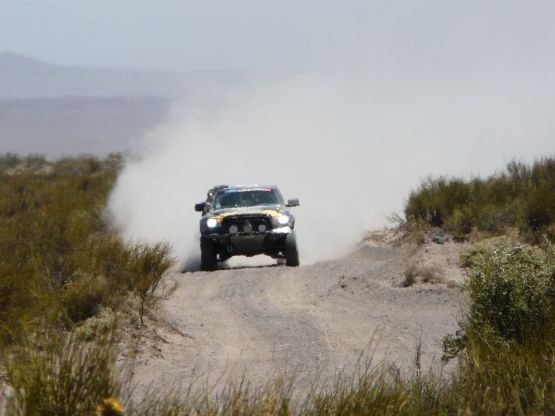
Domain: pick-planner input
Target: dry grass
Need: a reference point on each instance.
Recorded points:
(58, 375)
(418, 273)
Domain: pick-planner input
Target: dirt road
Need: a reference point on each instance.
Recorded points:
(320, 318)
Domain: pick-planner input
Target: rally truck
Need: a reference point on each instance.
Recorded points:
(246, 220)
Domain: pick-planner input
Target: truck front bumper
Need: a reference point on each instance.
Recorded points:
(269, 242)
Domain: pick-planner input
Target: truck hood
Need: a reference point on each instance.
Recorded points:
(265, 209)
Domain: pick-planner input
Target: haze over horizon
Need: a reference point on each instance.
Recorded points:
(255, 35)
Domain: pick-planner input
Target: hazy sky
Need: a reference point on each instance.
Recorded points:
(261, 34)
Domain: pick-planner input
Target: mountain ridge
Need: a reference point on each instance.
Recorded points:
(23, 76)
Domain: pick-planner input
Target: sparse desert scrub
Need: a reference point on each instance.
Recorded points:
(60, 262)
(421, 273)
(520, 196)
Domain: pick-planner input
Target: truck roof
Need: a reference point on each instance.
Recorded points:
(251, 186)
(217, 188)
(242, 186)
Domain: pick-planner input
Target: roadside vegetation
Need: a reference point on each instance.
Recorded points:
(64, 265)
(520, 197)
(60, 263)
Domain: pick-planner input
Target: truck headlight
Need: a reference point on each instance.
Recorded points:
(283, 219)
(211, 222)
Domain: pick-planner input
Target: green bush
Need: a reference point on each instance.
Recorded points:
(505, 344)
(520, 196)
(513, 291)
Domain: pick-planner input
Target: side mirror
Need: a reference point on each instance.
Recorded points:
(293, 203)
(200, 206)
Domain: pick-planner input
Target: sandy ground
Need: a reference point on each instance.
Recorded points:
(316, 320)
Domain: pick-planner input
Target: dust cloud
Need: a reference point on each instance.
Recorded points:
(349, 134)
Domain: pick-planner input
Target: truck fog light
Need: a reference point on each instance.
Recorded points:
(233, 229)
(211, 222)
(262, 228)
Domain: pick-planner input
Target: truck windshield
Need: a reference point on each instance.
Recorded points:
(242, 198)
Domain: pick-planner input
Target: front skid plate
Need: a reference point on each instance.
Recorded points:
(248, 244)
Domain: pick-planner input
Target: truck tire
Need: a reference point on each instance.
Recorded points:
(291, 251)
(208, 259)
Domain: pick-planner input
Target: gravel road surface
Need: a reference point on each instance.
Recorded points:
(317, 320)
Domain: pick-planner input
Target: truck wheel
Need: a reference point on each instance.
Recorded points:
(291, 251)
(208, 260)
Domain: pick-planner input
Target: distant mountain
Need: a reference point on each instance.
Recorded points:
(72, 125)
(60, 110)
(22, 77)
(13, 64)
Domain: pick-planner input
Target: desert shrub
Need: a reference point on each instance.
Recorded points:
(147, 264)
(64, 377)
(421, 273)
(8, 161)
(100, 325)
(513, 291)
(59, 260)
(86, 165)
(136, 268)
(470, 256)
(505, 344)
(12, 163)
(520, 196)
(82, 298)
